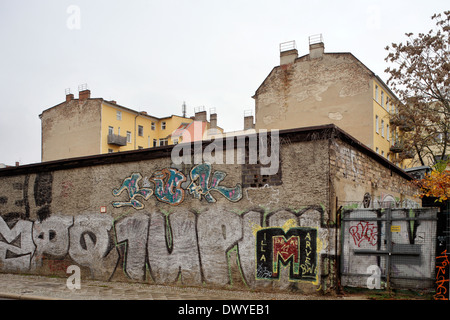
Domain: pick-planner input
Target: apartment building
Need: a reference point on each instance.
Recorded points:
(89, 126)
(320, 88)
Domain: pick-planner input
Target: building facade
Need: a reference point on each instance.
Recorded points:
(89, 126)
(321, 88)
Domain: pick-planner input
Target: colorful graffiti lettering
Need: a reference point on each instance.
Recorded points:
(296, 248)
(442, 280)
(168, 186)
(364, 231)
(131, 184)
(286, 249)
(187, 248)
(201, 173)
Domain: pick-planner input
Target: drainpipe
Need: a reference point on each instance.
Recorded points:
(135, 137)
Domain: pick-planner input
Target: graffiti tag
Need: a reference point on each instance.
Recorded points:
(296, 248)
(131, 184)
(202, 186)
(168, 187)
(364, 231)
(442, 279)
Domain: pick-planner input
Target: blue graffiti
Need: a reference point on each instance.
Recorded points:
(168, 186)
(131, 184)
(200, 184)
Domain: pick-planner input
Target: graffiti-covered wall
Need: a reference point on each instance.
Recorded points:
(138, 216)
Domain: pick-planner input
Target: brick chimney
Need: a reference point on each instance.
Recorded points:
(213, 120)
(200, 116)
(84, 95)
(288, 52)
(69, 96)
(83, 92)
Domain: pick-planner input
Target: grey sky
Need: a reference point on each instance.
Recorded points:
(153, 55)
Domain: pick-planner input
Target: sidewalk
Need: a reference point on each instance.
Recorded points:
(31, 287)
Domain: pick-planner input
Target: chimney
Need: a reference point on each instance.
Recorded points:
(288, 52)
(200, 114)
(248, 120)
(213, 120)
(316, 46)
(83, 92)
(17, 163)
(69, 96)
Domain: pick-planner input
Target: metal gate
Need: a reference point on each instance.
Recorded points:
(388, 248)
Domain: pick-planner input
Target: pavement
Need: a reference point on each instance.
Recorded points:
(33, 287)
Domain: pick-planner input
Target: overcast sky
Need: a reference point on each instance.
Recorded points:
(152, 55)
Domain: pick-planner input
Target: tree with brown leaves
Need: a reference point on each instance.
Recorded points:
(420, 79)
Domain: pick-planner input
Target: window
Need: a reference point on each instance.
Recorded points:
(153, 126)
(110, 150)
(140, 131)
(118, 131)
(377, 128)
(163, 142)
(387, 132)
(382, 128)
(119, 115)
(377, 150)
(382, 153)
(155, 142)
(175, 141)
(387, 104)
(382, 98)
(139, 147)
(163, 125)
(128, 137)
(376, 93)
(110, 130)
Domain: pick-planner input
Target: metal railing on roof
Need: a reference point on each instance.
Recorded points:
(286, 46)
(316, 38)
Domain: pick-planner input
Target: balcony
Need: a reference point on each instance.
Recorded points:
(401, 122)
(117, 140)
(408, 154)
(397, 147)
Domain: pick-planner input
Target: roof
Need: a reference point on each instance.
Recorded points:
(322, 132)
(113, 104)
(335, 53)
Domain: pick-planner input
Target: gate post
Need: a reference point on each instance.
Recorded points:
(388, 247)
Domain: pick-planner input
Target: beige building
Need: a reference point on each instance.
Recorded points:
(321, 88)
(88, 126)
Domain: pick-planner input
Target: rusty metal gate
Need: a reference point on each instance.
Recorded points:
(388, 248)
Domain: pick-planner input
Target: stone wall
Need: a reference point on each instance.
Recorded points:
(135, 216)
(364, 179)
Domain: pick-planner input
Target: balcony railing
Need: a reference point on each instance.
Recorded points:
(408, 154)
(397, 147)
(117, 140)
(402, 123)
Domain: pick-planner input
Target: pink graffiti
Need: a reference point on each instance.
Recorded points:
(364, 231)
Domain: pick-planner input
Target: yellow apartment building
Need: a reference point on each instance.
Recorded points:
(321, 88)
(89, 126)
